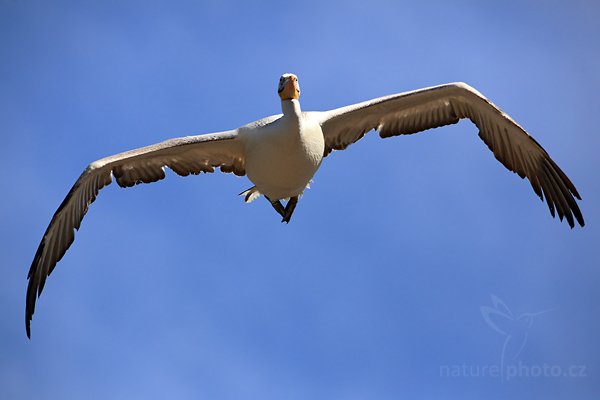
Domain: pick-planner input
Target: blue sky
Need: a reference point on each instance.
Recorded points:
(179, 289)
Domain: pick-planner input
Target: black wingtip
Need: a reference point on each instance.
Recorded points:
(28, 328)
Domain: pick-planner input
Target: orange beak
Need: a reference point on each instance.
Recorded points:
(289, 88)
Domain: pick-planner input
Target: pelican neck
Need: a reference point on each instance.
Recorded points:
(290, 107)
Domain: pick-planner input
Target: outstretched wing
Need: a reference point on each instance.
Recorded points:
(187, 155)
(419, 110)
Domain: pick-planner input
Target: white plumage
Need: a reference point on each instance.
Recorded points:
(280, 155)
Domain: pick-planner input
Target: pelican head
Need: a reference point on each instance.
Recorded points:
(288, 87)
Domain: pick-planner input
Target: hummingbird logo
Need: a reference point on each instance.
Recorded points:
(514, 328)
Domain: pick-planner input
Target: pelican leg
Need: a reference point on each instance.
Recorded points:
(277, 206)
(289, 209)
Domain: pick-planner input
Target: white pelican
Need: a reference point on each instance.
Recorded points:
(280, 154)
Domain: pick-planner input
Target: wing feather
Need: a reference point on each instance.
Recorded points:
(419, 110)
(188, 155)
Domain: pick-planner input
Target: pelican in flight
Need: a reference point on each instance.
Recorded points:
(280, 154)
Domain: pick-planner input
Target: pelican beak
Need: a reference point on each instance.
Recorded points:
(288, 87)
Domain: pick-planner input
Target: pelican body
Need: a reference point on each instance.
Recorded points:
(283, 154)
(280, 155)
